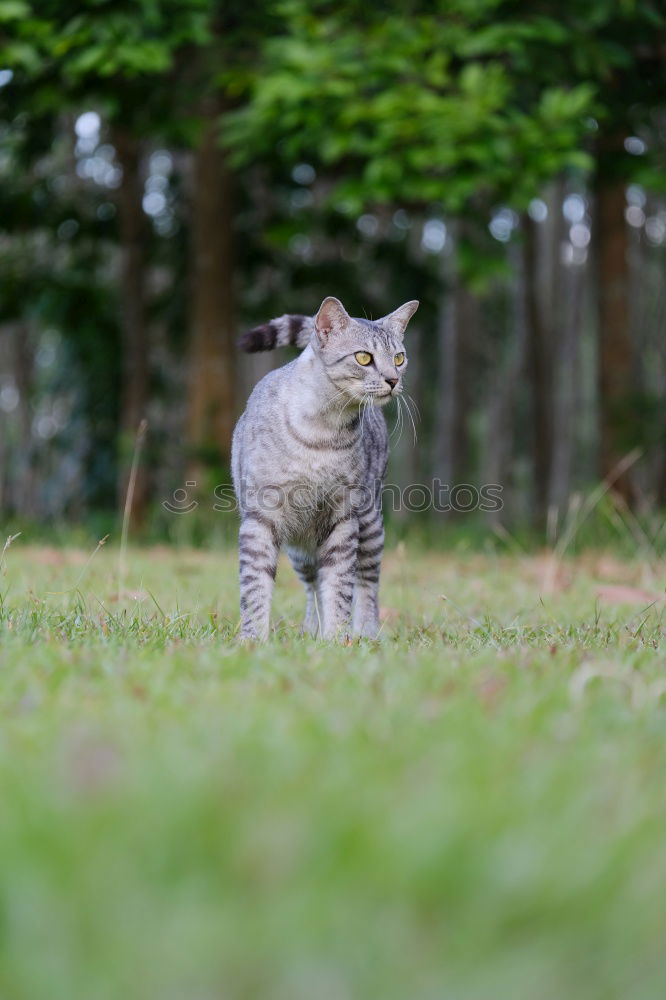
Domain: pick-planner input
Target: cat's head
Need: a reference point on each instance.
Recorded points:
(365, 359)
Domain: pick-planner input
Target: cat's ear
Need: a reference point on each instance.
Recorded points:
(332, 318)
(397, 321)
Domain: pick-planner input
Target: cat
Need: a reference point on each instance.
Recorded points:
(309, 456)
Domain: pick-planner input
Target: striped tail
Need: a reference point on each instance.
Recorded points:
(281, 332)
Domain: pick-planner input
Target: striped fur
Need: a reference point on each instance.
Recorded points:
(285, 331)
(309, 457)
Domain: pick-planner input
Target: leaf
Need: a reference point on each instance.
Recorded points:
(13, 10)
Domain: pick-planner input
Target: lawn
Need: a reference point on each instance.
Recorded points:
(472, 808)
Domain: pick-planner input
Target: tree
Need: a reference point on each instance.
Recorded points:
(111, 57)
(430, 112)
(381, 154)
(459, 104)
(419, 110)
(234, 33)
(211, 407)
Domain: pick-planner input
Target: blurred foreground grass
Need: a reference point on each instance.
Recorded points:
(473, 808)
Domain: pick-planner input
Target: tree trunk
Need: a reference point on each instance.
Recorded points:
(539, 375)
(25, 486)
(447, 362)
(457, 326)
(614, 334)
(503, 390)
(211, 409)
(467, 324)
(566, 388)
(134, 392)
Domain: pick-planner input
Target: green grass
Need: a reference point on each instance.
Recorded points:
(473, 808)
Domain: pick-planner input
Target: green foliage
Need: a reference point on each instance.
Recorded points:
(452, 103)
(100, 38)
(421, 109)
(117, 56)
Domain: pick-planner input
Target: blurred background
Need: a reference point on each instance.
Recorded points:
(172, 171)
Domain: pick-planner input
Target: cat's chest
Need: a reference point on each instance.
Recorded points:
(325, 488)
(324, 477)
(328, 468)
(311, 454)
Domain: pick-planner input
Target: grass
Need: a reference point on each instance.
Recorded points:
(472, 808)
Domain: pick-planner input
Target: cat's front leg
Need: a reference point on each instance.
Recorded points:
(258, 546)
(336, 563)
(366, 589)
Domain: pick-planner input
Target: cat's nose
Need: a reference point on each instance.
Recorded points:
(391, 381)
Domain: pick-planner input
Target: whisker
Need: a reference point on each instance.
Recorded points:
(409, 413)
(395, 422)
(394, 431)
(397, 429)
(411, 405)
(414, 404)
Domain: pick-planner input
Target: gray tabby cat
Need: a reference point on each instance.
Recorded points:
(309, 456)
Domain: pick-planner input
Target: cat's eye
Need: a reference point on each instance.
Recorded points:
(363, 357)
(399, 359)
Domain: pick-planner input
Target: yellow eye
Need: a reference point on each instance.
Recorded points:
(363, 357)
(399, 359)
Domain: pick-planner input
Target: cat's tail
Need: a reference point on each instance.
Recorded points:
(281, 332)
